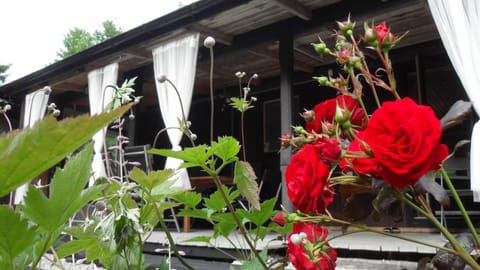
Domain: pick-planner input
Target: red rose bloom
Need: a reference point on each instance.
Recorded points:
(382, 32)
(367, 166)
(325, 112)
(405, 140)
(297, 254)
(307, 181)
(328, 149)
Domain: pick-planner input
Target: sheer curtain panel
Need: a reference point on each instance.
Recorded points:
(457, 22)
(99, 95)
(177, 60)
(33, 110)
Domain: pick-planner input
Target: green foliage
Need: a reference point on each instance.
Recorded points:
(51, 213)
(3, 72)
(16, 236)
(151, 180)
(25, 154)
(78, 39)
(245, 179)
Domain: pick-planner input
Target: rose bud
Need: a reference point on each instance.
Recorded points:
(308, 115)
(279, 218)
(329, 149)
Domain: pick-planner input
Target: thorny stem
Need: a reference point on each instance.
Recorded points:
(386, 62)
(364, 228)
(167, 232)
(243, 231)
(459, 250)
(212, 103)
(457, 199)
(364, 63)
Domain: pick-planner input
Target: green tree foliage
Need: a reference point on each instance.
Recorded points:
(3, 73)
(78, 39)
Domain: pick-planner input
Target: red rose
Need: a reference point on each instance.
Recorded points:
(382, 32)
(405, 140)
(314, 234)
(367, 166)
(344, 55)
(307, 181)
(328, 149)
(325, 112)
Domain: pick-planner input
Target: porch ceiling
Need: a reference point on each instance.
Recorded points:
(247, 40)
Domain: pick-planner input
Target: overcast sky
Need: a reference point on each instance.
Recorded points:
(31, 32)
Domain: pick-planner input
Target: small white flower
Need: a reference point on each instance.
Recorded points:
(56, 112)
(47, 90)
(7, 107)
(189, 123)
(193, 137)
(246, 90)
(296, 239)
(303, 235)
(209, 42)
(254, 99)
(255, 76)
(131, 116)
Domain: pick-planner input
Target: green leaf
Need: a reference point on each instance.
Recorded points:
(226, 148)
(190, 199)
(25, 154)
(245, 179)
(216, 201)
(254, 263)
(66, 193)
(16, 236)
(264, 213)
(153, 179)
(193, 156)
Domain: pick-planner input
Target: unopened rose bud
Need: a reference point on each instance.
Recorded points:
(308, 116)
(280, 218)
(300, 130)
(285, 140)
(209, 42)
(322, 81)
(319, 47)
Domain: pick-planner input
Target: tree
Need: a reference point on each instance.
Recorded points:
(78, 39)
(3, 73)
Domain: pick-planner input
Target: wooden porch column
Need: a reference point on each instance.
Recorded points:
(286, 88)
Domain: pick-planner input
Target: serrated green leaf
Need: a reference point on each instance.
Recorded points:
(151, 180)
(216, 201)
(195, 155)
(246, 181)
(15, 235)
(190, 198)
(67, 195)
(25, 154)
(226, 148)
(262, 215)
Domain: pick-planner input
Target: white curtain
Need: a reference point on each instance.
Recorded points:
(99, 96)
(33, 110)
(457, 22)
(177, 60)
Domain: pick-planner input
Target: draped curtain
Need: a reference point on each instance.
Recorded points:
(99, 96)
(457, 22)
(177, 61)
(34, 109)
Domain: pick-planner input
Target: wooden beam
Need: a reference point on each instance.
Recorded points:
(272, 56)
(219, 36)
(286, 101)
(307, 54)
(296, 8)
